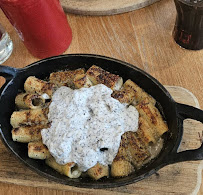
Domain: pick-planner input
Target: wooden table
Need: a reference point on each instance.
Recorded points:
(141, 37)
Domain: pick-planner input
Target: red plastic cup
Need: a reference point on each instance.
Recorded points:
(41, 24)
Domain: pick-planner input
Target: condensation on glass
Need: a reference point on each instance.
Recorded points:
(6, 45)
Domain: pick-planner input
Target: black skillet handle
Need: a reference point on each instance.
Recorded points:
(8, 73)
(184, 112)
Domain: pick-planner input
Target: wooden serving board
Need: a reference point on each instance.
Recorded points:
(103, 7)
(181, 178)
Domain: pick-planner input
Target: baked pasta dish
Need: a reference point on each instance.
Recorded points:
(88, 123)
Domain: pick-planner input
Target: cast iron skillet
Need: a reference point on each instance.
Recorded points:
(173, 112)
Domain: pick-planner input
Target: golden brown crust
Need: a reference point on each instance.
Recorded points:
(123, 153)
(131, 150)
(145, 132)
(65, 78)
(121, 168)
(27, 134)
(29, 101)
(153, 117)
(99, 76)
(70, 169)
(38, 150)
(124, 95)
(82, 81)
(140, 94)
(138, 151)
(121, 165)
(98, 171)
(29, 117)
(35, 85)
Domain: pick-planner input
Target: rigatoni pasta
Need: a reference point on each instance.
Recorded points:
(136, 149)
(81, 80)
(153, 117)
(29, 117)
(145, 132)
(37, 150)
(124, 96)
(65, 78)
(35, 85)
(29, 101)
(98, 171)
(140, 94)
(70, 169)
(121, 165)
(26, 134)
(98, 75)
(121, 168)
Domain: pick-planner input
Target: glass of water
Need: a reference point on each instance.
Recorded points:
(6, 45)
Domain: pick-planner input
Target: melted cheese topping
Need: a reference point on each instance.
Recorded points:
(83, 122)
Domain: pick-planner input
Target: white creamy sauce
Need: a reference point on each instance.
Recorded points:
(85, 120)
(45, 96)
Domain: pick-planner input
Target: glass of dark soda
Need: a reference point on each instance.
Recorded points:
(188, 30)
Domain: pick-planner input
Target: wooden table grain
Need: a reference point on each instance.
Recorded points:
(142, 38)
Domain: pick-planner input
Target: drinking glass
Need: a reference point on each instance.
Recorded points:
(6, 45)
(188, 30)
